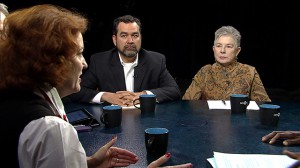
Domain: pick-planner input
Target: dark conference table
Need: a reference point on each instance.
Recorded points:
(195, 131)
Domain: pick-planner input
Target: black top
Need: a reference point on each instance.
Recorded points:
(18, 108)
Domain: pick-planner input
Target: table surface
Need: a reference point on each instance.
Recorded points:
(195, 131)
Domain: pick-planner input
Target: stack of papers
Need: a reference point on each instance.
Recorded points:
(219, 104)
(225, 160)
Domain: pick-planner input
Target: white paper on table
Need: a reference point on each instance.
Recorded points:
(218, 104)
(212, 162)
(131, 107)
(225, 160)
(252, 106)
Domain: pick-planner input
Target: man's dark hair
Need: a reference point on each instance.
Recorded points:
(126, 19)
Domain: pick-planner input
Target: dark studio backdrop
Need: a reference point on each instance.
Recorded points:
(184, 32)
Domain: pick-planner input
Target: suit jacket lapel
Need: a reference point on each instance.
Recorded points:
(139, 72)
(117, 72)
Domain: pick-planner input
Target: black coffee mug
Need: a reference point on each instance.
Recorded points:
(239, 103)
(156, 141)
(269, 114)
(111, 116)
(147, 103)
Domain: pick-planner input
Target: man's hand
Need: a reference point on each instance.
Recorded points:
(130, 96)
(115, 99)
(290, 137)
(121, 98)
(293, 155)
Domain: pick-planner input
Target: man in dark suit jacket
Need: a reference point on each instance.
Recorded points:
(120, 75)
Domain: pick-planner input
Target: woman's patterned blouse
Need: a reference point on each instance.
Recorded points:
(217, 82)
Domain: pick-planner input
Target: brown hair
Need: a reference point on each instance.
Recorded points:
(37, 45)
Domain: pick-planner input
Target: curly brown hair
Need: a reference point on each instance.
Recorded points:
(37, 44)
